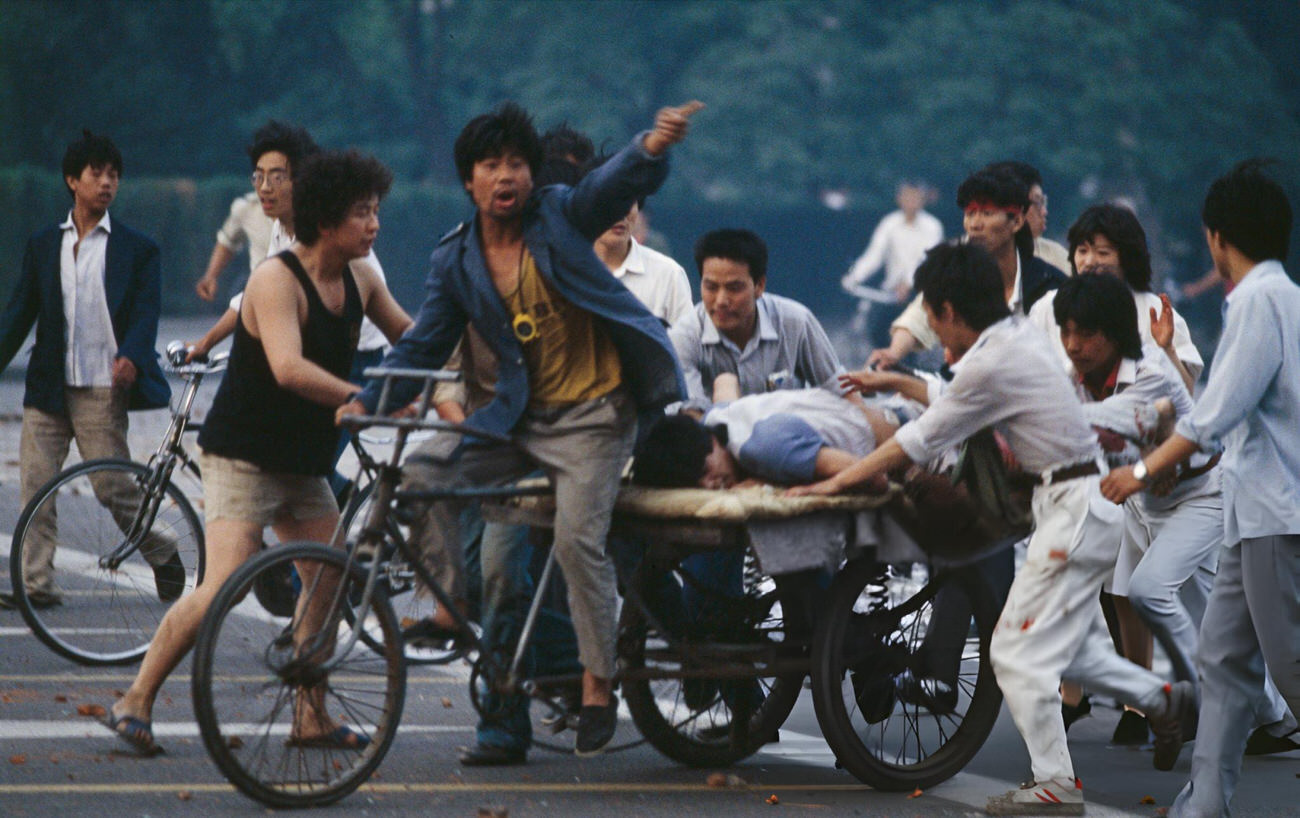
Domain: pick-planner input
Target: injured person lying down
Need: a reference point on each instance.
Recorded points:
(790, 437)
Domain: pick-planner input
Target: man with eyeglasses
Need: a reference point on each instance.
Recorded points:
(277, 149)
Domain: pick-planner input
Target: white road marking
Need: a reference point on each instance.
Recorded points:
(31, 729)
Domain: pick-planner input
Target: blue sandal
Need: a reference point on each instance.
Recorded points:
(136, 732)
(340, 738)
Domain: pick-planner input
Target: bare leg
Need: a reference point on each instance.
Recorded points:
(1133, 635)
(230, 543)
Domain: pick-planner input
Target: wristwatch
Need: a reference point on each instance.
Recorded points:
(1140, 471)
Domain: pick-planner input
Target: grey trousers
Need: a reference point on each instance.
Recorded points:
(96, 419)
(583, 450)
(1253, 619)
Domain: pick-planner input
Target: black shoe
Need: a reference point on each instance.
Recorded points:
(40, 600)
(1264, 743)
(875, 695)
(1070, 713)
(487, 755)
(426, 634)
(699, 694)
(1132, 730)
(935, 695)
(596, 726)
(169, 579)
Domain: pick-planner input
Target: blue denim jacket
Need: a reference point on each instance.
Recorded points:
(560, 225)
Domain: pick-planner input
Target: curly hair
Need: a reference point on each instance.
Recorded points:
(327, 186)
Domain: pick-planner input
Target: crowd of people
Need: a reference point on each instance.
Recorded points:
(581, 343)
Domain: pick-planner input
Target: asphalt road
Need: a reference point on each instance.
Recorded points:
(55, 761)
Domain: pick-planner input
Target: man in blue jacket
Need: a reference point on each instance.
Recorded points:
(91, 285)
(579, 357)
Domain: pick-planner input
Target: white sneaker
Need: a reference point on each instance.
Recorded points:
(1053, 797)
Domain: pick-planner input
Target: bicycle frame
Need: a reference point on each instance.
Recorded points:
(162, 463)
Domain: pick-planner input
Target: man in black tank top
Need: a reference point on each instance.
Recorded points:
(269, 438)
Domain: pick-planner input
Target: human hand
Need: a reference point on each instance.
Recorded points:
(1120, 485)
(349, 409)
(206, 288)
(821, 489)
(1162, 325)
(867, 381)
(124, 373)
(882, 358)
(198, 349)
(670, 127)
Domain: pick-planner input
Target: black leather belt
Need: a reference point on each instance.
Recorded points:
(1192, 474)
(1068, 473)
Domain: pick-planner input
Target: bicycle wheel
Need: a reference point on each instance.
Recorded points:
(88, 514)
(256, 674)
(905, 694)
(399, 580)
(692, 720)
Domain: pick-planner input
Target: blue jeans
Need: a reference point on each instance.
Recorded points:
(505, 554)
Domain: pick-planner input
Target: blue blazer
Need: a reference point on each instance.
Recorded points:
(133, 288)
(560, 225)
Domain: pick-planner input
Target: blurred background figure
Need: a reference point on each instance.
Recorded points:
(897, 246)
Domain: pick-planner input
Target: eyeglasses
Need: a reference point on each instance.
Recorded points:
(275, 178)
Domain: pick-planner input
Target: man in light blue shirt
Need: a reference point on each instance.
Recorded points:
(1251, 406)
(740, 329)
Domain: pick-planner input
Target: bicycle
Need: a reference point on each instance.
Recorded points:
(104, 515)
(684, 688)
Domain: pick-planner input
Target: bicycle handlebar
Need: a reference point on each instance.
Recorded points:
(178, 351)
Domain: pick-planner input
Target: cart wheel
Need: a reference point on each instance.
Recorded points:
(905, 695)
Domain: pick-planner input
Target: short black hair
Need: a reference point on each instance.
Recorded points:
(1027, 172)
(967, 277)
(1100, 304)
(291, 140)
(673, 453)
(91, 150)
(1250, 211)
(1121, 228)
(328, 184)
(734, 244)
(1004, 188)
(507, 129)
(567, 143)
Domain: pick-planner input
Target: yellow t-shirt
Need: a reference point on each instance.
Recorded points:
(570, 357)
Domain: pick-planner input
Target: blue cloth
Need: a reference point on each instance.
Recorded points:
(560, 223)
(782, 449)
(506, 552)
(1251, 406)
(133, 290)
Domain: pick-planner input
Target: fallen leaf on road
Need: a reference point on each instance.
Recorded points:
(493, 812)
(773, 800)
(60, 698)
(446, 702)
(716, 780)
(185, 795)
(92, 710)
(916, 793)
(234, 742)
(18, 759)
(1146, 799)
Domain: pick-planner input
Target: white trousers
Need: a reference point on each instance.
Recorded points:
(1052, 628)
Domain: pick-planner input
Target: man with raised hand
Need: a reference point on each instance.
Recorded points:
(578, 356)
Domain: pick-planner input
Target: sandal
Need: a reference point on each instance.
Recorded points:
(340, 738)
(136, 732)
